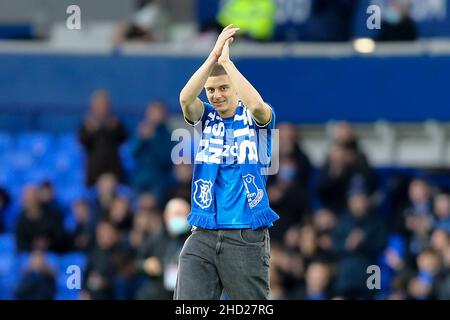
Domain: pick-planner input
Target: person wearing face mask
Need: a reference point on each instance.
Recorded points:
(159, 259)
(397, 24)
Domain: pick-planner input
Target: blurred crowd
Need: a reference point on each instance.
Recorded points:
(334, 221)
(273, 20)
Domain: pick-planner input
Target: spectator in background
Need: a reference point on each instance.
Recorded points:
(84, 233)
(441, 207)
(102, 268)
(151, 151)
(288, 189)
(146, 223)
(38, 281)
(47, 198)
(423, 285)
(317, 282)
(106, 190)
(345, 136)
(334, 179)
(324, 221)
(290, 148)
(443, 288)
(416, 220)
(358, 239)
(38, 229)
(146, 201)
(346, 165)
(120, 216)
(286, 195)
(101, 134)
(397, 24)
(5, 201)
(159, 258)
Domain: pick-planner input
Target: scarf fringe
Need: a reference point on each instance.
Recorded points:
(263, 218)
(206, 221)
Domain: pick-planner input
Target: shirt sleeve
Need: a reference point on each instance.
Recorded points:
(270, 124)
(207, 108)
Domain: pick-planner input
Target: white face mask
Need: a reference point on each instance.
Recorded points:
(392, 16)
(177, 226)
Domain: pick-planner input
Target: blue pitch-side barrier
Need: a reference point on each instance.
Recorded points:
(301, 89)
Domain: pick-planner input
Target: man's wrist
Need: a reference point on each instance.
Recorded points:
(226, 64)
(212, 56)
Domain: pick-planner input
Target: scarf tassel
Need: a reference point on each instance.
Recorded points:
(263, 218)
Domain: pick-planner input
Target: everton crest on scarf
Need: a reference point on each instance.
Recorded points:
(207, 161)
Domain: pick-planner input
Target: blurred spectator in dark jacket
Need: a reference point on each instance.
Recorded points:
(290, 147)
(159, 260)
(358, 239)
(106, 190)
(345, 136)
(38, 281)
(334, 179)
(84, 233)
(48, 200)
(346, 164)
(324, 222)
(288, 189)
(286, 195)
(416, 220)
(423, 285)
(318, 282)
(441, 208)
(146, 223)
(101, 135)
(120, 216)
(37, 228)
(102, 267)
(397, 24)
(443, 288)
(151, 151)
(5, 200)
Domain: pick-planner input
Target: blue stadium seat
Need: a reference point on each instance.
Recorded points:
(7, 243)
(8, 275)
(38, 143)
(68, 142)
(21, 160)
(6, 141)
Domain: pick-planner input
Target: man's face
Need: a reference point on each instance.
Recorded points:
(221, 94)
(100, 104)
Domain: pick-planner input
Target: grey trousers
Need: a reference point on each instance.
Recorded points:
(235, 260)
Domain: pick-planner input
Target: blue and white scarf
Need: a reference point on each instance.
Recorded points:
(207, 162)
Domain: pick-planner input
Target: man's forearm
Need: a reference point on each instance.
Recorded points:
(195, 85)
(247, 93)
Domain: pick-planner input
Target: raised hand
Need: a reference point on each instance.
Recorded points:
(225, 56)
(227, 33)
